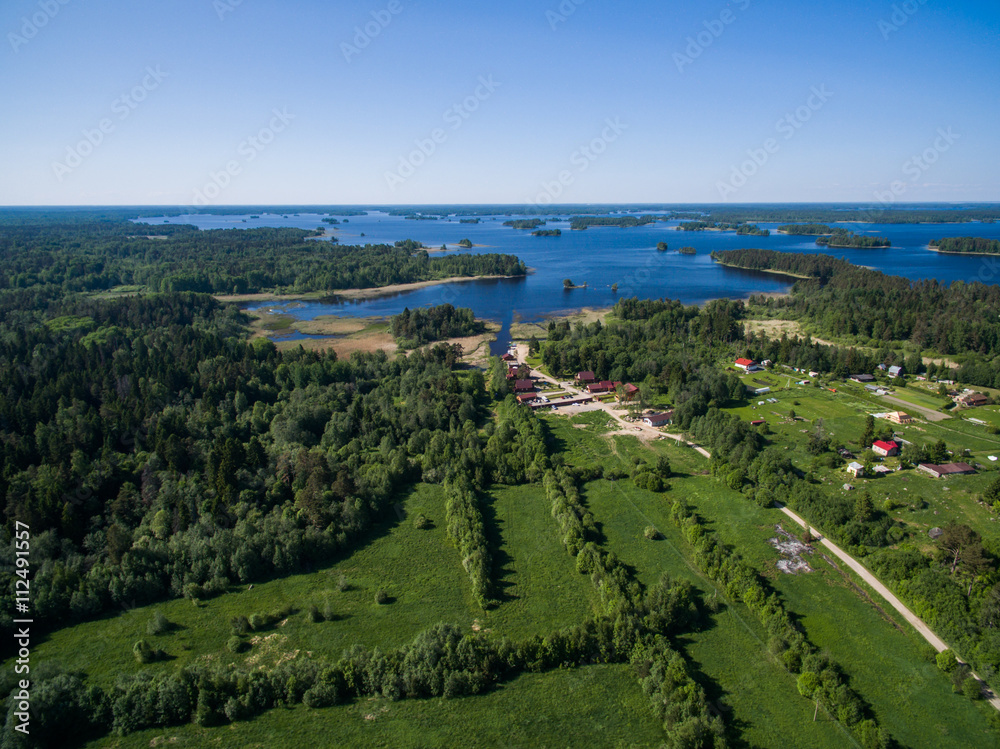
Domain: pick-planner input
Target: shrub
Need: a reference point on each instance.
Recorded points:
(260, 621)
(320, 695)
(239, 625)
(947, 661)
(145, 654)
(651, 533)
(237, 645)
(343, 583)
(971, 688)
(158, 625)
(314, 615)
(381, 596)
(420, 522)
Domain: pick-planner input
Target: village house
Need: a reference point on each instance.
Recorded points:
(629, 392)
(946, 469)
(658, 420)
(899, 417)
(508, 357)
(886, 449)
(972, 400)
(863, 378)
(896, 371)
(526, 397)
(856, 469)
(604, 386)
(524, 386)
(747, 365)
(584, 377)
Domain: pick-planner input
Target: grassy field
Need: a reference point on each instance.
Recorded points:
(598, 706)
(885, 659)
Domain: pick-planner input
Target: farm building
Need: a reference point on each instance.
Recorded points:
(899, 417)
(946, 469)
(508, 357)
(896, 371)
(856, 469)
(885, 449)
(747, 365)
(526, 397)
(524, 386)
(658, 420)
(863, 378)
(585, 377)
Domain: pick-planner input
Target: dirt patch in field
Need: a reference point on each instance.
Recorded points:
(792, 552)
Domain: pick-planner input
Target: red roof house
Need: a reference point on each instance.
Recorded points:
(747, 365)
(885, 449)
(585, 377)
(604, 386)
(630, 391)
(524, 386)
(508, 357)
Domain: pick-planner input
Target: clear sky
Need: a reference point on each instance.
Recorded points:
(412, 101)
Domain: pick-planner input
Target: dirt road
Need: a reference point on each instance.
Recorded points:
(928, 413)
(862, 571)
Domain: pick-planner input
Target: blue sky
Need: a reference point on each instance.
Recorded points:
(259, 101)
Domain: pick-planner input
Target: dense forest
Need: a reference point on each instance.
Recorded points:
(857, 303)
(967, 244)
(752, 230)
(805, 229)
(58, 257)
(848, 239)
(528, 223)
(420, 326)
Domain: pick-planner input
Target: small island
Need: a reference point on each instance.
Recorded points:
(547, 233)
(966, 245)
(468, 221)
(805, 229)
(579, 223)
(842, 238)
(465, 243)
(740, 227)
(688, 251)
(526, 223)
(568, 284)
(752, 230)
(661, 246)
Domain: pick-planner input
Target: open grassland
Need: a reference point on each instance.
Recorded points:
(593, 706)
(887, 661)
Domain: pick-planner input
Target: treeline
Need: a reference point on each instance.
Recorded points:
(828, 214)
(857, 303)
(424, 325)
(579, 223)
(706, 225)
(848, 239)
(526, 223)
(97, 256)
(805, 229)
(979, 245)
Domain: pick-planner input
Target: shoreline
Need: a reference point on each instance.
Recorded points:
(946, 252)
(268, 296)
(766, 270)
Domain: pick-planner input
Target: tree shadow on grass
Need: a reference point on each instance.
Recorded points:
(715, 697)
(502, 569)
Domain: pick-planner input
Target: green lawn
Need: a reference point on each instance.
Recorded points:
(593, 706)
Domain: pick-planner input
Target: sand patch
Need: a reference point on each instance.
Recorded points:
(792, 552)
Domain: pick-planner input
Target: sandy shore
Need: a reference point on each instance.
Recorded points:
(945, 252)
(765, 270)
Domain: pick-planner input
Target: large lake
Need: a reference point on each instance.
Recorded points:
(600, 257)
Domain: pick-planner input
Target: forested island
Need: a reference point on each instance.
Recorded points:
(752, 230)
(973, 245)
(547, 233)
(688, 251)
(421, 326)
(843, 238)
(579, 223)
(707, 226)
(53, 258)
(805, 229)
(527, 223)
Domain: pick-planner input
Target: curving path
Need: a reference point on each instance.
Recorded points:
(916, 622)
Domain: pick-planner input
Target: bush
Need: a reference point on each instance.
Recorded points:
(237, 645)
(320, 695)
(314, 615)
(343, 584)
(420, 522)
(158, 625)
(651, 533)
(145, 654)
(239, 625)
(971, 688)
(947, 661)
(381, 596)
(260, 621)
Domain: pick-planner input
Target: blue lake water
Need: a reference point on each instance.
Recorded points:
(600, 257)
